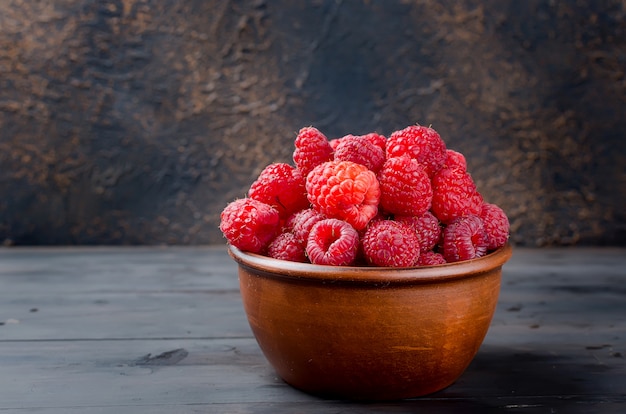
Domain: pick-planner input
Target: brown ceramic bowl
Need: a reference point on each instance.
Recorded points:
(369, 333)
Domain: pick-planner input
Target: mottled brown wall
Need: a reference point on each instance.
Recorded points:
(136, 121)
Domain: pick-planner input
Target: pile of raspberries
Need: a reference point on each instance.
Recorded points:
(367, 200)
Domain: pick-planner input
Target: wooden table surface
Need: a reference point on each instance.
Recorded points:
(162, 330)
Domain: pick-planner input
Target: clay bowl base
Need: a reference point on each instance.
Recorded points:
(369, 333)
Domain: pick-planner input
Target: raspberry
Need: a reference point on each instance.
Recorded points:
(312, 149)
(332, 242)
(454, 195)
(464, 238)
(405, 187)
(367, 200)
(376, 139)
(282, 187)
(301, 223)
(344, 190)
(373, 137)
(249, 224)
(427, 228)
(430, 258)
(334, 143)
(496, 225)
(455, 160)
(390, 243)
(286, 246)
(419, 142)
(360, 150)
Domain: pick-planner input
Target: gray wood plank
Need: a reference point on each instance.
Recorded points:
(88, 269)
(115, 315)
(229, 372)
(163, 330)
(425, 405)
(102, 373)
(85, 293)
(563, 296)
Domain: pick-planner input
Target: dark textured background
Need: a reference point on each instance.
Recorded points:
(136, 121)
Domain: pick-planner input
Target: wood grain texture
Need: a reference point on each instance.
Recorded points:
(156, 330)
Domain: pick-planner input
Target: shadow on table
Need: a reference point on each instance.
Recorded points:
(517, 381)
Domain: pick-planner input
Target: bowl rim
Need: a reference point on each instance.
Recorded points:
(277, 268)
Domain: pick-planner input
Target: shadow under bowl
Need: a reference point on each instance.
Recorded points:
(368, 333)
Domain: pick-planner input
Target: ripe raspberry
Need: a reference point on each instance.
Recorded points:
(373, 137)
(334, 143)
(332, 242)
(464, 239)
(405, 187)
(249, 224)
(427, 228)
(312, 149)
(301, 223)
(390, 243)
(455, 160)
(454, 195)
(419, 142)
(282, 187)
(430, 258)
(360, 150)
(496, 225)
(344, 190)
(377, 139)
(286, 246)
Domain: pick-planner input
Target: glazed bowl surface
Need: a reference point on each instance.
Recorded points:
(367, 333)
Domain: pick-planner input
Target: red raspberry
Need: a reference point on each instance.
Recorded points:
(249, 224)
(373, 137)
(430, 258)
(405, 187)
(464, 239)
(454, 195)
(282, 187)
(286, 246)
(419, 142)
(332, 242)
(334, 143)
(391, 244)
(427, 228)
(360, 150)
(312, 149)
(301, 223)
(377, 139)
(455, 160)
(344, 190)
(496, 225)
